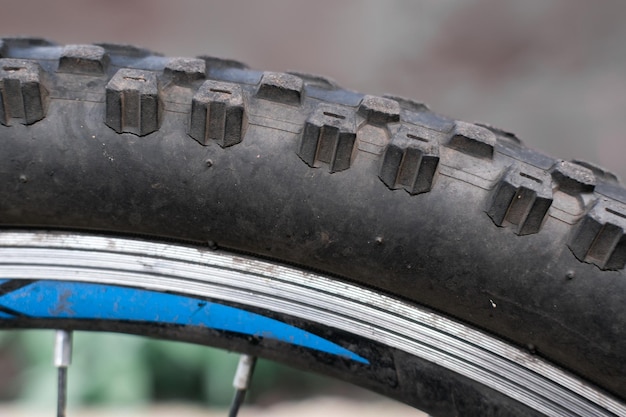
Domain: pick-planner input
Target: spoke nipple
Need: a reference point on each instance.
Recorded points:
(244, 372)
(63, 349)
(245, 368)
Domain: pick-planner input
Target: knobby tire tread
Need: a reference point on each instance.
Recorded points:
(381, 191)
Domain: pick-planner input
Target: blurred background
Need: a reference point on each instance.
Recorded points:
(552, 71)
(124, 375)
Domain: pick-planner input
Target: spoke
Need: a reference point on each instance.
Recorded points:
(245, 368)
(62, 359)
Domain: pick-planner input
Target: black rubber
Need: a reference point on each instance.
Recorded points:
(458, 217)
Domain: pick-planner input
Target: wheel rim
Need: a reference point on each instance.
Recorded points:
(234, 278)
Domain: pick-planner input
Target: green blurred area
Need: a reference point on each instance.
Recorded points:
(124, 370)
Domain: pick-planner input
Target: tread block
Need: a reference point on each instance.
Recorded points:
(522, 198)
(408, 104)
(499, 132)
(213, 62)
(573, 178)
(316, 80)
(83, 59)
(218, 113)
(130, 51)
(281, 88)
(185, 70)
(132, 102)
(379, 110)
(411, 160)
(599, 172)
(473, 140)
(22, 93)
(600, 237)
(329, 137)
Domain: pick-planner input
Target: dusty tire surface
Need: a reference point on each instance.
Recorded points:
(379, 191)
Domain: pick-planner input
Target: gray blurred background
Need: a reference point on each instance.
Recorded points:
(552, 71)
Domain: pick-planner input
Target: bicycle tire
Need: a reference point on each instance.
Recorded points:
(456, 227)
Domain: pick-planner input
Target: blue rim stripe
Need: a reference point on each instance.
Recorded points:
(77, 300)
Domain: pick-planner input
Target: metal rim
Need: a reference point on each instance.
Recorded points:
(249, 281)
